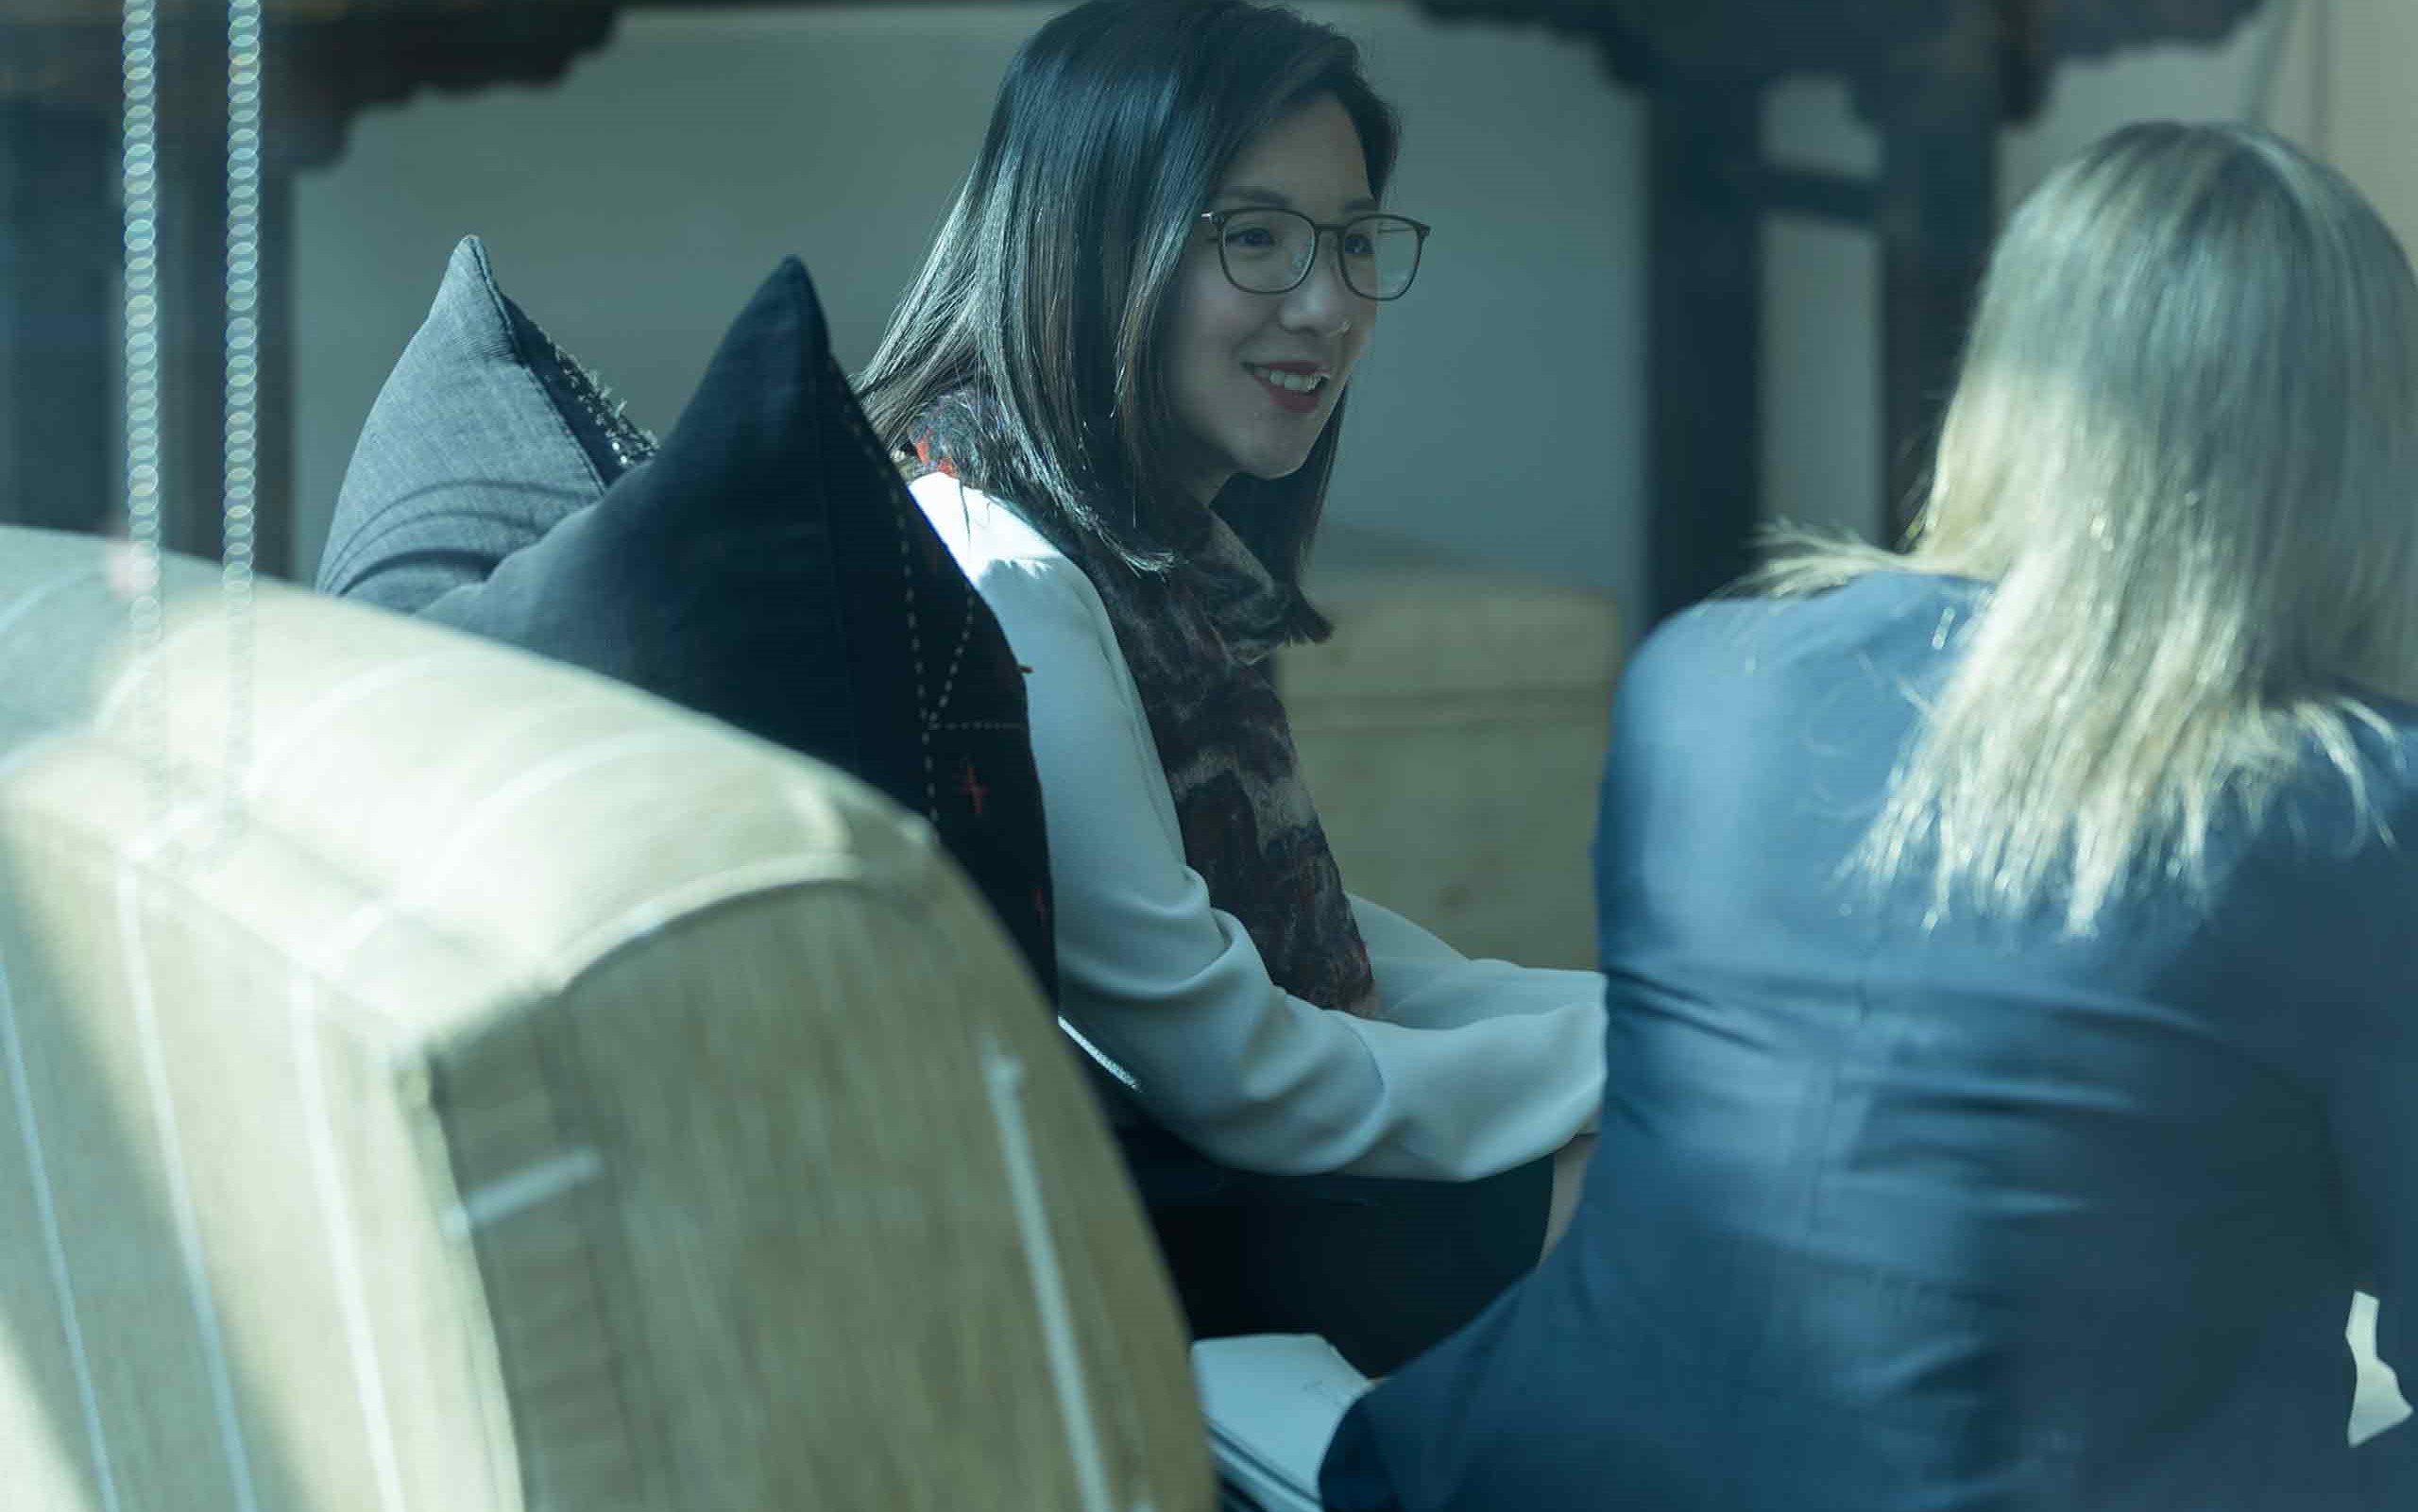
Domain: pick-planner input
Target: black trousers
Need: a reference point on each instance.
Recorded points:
(1382, 1269)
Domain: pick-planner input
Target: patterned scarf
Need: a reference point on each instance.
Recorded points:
(1199, 641)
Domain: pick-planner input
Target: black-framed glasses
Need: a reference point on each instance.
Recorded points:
(1265, 251)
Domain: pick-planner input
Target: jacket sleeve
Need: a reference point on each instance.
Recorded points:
(1476, 1068)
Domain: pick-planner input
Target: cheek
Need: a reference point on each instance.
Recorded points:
(1201, 358)
(1185, 331)
(1216, 320)
(1356, 343)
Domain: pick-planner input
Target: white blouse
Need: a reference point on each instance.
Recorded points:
(1476, 1066)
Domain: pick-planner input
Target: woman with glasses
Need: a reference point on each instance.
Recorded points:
(1116, 385)
(2013, 946)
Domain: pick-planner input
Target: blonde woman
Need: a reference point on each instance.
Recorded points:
(2013, 1053)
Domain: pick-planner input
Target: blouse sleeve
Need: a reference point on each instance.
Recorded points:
(1173, 992)
(1427, 984)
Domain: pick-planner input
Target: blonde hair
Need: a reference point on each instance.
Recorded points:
(2181, 453)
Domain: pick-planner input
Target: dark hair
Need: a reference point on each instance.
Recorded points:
(1029, 347)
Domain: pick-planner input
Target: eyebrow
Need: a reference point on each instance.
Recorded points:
(1251, 195)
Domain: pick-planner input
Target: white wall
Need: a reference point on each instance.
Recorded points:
(633, 207)
(631, 210)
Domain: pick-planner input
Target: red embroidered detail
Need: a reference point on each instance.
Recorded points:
(970, 784)
(924, 454)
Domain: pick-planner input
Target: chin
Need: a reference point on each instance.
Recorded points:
(1272, 472)
(1281, 461)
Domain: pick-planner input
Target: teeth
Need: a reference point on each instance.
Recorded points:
(1298, 382)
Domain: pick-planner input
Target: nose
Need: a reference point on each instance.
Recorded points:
(1322, 304)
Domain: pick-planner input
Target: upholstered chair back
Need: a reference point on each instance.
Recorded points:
(509, 1092)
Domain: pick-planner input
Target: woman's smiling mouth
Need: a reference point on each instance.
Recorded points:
(1294, 388)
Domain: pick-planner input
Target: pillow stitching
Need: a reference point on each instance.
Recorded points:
(923, 711)
(926, 711)
(629, 442)
(500, 306)
(903, 511)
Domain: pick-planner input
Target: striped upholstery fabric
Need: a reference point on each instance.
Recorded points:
(519, 1094)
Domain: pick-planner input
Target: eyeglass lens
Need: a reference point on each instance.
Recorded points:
(1269, 251)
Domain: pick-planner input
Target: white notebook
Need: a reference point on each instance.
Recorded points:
(1273, 1402)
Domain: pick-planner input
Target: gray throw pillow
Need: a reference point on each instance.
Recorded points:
(485, 437)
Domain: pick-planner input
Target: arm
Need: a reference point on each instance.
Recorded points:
(1172, 990)
(1425, 983)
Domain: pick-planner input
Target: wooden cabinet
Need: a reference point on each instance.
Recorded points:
(1452, 734)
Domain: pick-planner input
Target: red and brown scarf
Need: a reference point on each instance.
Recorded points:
(1201, 641)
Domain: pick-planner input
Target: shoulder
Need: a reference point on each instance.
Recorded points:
(1884, 616)
(1878, 606)
(1848, 665)
(1045, 604)
(1001, 554)
(2385, 731)
(978, 528)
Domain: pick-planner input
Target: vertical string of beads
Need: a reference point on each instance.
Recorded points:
(141, 577)
(244, 170)
(140, 173)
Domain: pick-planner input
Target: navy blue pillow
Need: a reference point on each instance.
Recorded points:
(767, 566)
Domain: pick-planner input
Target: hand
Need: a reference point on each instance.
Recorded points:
(1569, 1180)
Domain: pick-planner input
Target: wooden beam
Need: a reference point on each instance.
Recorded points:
(1818, 195)
(1937, 218)
(1705, 283)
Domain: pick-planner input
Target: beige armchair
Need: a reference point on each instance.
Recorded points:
(518, 1094)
